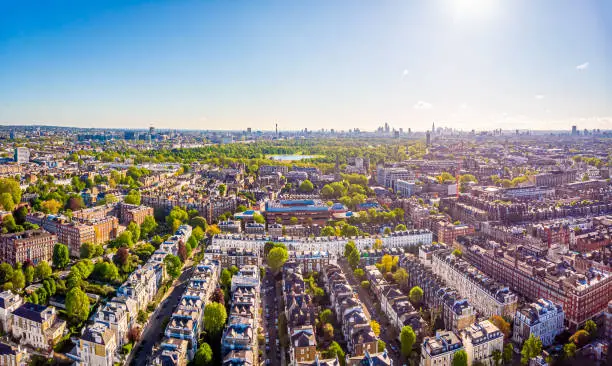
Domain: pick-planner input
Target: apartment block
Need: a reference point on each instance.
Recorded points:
(480, 340)
(439, 350)
(96, 347)
(27, 246)
(12, 355)
(542, 318)
(582, 294)
(484, 293)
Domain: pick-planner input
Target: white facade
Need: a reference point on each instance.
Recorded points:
(8, 303)
(332, 245)
(480, 341)
(543, 319)
(487, 301)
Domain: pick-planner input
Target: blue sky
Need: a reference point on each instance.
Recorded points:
(313, 64)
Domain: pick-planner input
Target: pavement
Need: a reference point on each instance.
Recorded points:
(153, 331)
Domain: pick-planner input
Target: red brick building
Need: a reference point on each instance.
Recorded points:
(30, 245)
(133, 213)
(448, 232)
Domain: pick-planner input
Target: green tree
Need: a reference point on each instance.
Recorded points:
(61, 256)
(407, 339)
(18, 280)
(133, 197)
(148, 226)
(580, 338)
(222, 188)
(400, 227)
(6, 201)
(105, 271)
(569, 350)
(365, 284)
(203, 356)
(6, 272)
(11, 186)
(401, 277)
(43, 270)
(51, 206)
(507, 353)
(124, 240)
(199, 221)
(416, 295)
(135, 230)
(225, 278)
(293, 220)
(591, 328)
(173, 266)
(29, 272)
(77, 305)
(497, 357)
(258, 218)
(215, 316)
(176, 217)
(88, 250)
(375, 327)
(359, 273)
(335, 351)
(353, 258)
(328, 231)
(460, 358)
(457, 253)
(277, 258)
(326, 316)
(532, 347)
(306, 186)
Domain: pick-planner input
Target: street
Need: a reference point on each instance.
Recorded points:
(270, 315)
(370, 311)
(153, 331)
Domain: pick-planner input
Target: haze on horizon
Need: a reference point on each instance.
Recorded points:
(465, 64)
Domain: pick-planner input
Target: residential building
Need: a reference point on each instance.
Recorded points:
(116, 317)
(96, 347)
(12, 355)
(439, 350)
(582, 294)
(543, 319)
(480, 340)
(37, 325)
(8, 303)
(133, 213)
(22, 155)
(27, 246)
(230, 226)
(370, 359)
(485, 294)
(448, 232)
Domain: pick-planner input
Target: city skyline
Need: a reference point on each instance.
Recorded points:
(465, 64)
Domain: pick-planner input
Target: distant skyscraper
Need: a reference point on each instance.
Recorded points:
(249, 130)
(22, 155)
(277, 129)
(433, 127)
(428, 138)
(574, 130)
(386, 127)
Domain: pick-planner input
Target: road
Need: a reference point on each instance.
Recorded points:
(153, 331)
(370, 310)
(269, 299)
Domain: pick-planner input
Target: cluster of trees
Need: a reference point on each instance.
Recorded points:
(580, 338)
(341, 228)
(375, 217)
(10, 193)
(276, 255)
(133, 197)
(12, 278)
(352, 255)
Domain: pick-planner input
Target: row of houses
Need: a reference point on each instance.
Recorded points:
(300, 314)
(239, 339)
(355, 325)
(445, 302)
(331, 245)
(181, 335)
(113, 321)
(393, 302)
(479, 340)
